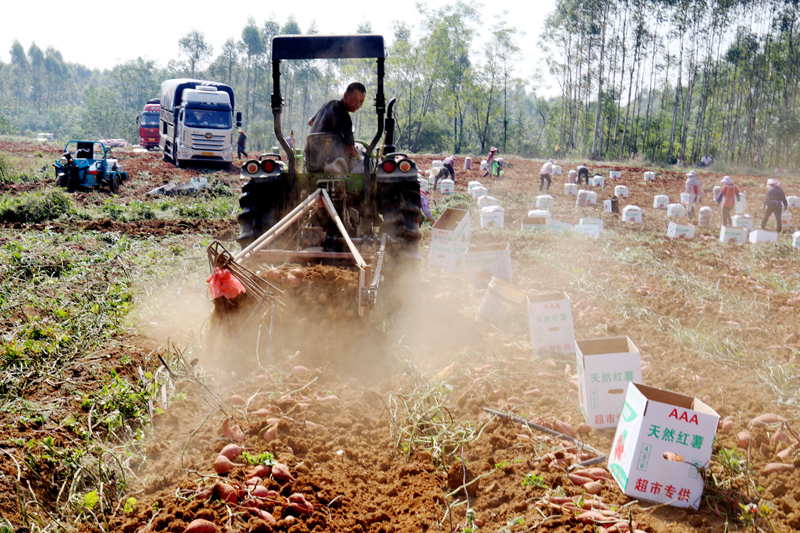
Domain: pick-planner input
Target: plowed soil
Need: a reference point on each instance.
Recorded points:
(382, 424)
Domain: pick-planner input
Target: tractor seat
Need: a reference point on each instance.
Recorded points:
(324, 149)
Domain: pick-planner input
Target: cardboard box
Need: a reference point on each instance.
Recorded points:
(649, 176)
(550, 320)
(615, 174)
(605, 368)
(558, 227)
(728, 234)
(793, 201)
(621, 191)
(485, 201)
(447, 186)
(539, 213)
(742, 221)
(570, 189)
(449, 240)
(545, 201)
(595, 221)
(760, 235)
(786, 217)
(632, 214)
(653, 423)
(534, 223)
(592, 230)
(454, 226)
(492, 216)
(597, 181)
(680, 231)
(483, 262)
(501, 301)
(676, 210)
(591, 198)
(607, 206)
(796, 239)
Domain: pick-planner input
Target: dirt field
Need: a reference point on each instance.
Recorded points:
(382, 426)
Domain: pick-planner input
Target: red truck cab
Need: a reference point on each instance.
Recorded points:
(148, 124)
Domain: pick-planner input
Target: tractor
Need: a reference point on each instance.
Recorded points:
(344, 219)
(85, 164)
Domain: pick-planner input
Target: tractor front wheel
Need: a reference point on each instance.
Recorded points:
(115, 183)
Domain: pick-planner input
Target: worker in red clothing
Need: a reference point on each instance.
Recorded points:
(695, 191)
(728, 197)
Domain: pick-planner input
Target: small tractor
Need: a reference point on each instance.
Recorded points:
(304, 211)
(85, 164)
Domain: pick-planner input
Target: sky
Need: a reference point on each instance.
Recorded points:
(123, 31)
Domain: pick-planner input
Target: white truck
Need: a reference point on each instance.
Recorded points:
(196, 122)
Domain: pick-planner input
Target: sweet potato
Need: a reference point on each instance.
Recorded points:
(593, 487)
(579, 480)
(584, 428)
(232, 432)
(261, 471)
(547, 375)
(563, 427)
(281, 473)
(743, 439)
(273, 275)
(264, 515)
(232, 451)
(331, 399)
(786, 452)
(767, 420)
(237, 400)
(780, 436)
(573, 384)
(293, 280)
(223, 465)
(568, 371)
(261, 413)
(298, 503)
(773, 468)
(260, 491)
(549, 363)
(726, 424)
(669, 456)
(300, 371)
(199, 525)
(299, 273)
(227, 493)
(587, 517)
(270, 433)
(536, 393)
(253, 482)
(595, 473)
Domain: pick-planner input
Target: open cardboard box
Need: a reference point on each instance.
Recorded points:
(605, 368)
(550, 321)
(449, 240)
(485, 262)
(655, 423)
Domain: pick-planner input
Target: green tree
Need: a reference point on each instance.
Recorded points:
(193, 45)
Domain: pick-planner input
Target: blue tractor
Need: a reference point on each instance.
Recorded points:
(85, 164)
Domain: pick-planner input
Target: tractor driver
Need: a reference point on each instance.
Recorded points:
(334, 117)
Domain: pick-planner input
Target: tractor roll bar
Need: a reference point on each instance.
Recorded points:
(328, 47)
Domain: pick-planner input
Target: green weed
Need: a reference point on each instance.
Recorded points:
(35, 206)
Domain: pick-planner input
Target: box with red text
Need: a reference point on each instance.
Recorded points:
(663, 441)
(605, 367)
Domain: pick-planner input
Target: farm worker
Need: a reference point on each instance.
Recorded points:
(447, 164)
(695, 191)
(573, 175)
(334, 117)
(240, 144)
(774, 202)
(423, 196)
(706, 160)
(490, 161)
(544, 174)
(441, 175)
(583, 172)
(728, 196)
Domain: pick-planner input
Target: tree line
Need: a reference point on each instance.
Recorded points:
(662, 80)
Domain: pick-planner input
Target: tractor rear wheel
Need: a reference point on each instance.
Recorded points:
(401, 209)
(262, 205)
(115, 183)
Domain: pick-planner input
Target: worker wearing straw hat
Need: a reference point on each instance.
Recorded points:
(728, 197)
(774, 202)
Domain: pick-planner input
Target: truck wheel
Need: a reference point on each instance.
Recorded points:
(61, 181)
(115, 182)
